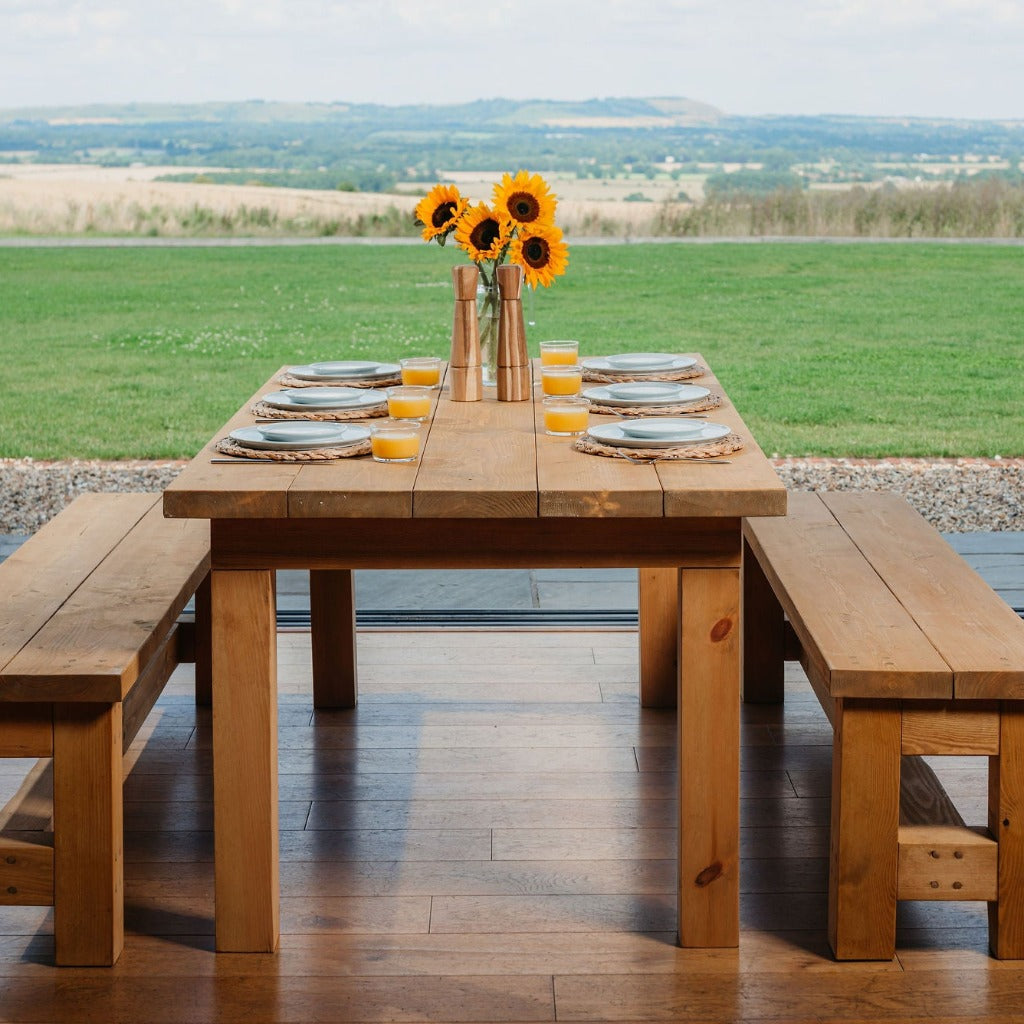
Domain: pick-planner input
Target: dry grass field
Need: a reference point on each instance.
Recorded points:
(39, 199)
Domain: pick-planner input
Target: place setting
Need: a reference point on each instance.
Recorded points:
(658, 438)
(353, 373)
(295, 441)
(651, 398)
(322, 403)
(640, 366)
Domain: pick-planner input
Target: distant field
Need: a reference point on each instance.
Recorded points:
(831, 349)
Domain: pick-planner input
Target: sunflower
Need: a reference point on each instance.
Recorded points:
(525, 198)
(482, 233)
(541, 253)
(438, 211)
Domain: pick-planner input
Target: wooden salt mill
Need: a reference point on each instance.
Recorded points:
(514, 381)
(465, 371)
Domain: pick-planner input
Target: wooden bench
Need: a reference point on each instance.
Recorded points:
(89, 635)
(910, 653)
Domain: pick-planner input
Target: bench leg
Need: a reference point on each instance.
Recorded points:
(246, 864)
(204, 677)
(332, 606)
(659, 636)
(865, 827)
(763, 657)
(1006, 823)
(709, 757)
(88, 830)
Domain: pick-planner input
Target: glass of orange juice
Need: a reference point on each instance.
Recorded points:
(561, 379)
(566, 415)
(559, 353)
(422, 370)
(395, 440)
(408, 403)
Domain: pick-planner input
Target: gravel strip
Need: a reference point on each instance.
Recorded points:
(956, 495)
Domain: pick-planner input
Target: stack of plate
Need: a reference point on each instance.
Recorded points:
(346, 369)
(308, 399)
(299, 435)
(658, 432)
(646, 392)
(635, 364)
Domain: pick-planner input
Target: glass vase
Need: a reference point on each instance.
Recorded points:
(487, 311)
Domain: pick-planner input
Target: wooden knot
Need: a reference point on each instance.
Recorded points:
(958, 885)
(709, 874)
(720, 630)
(12, 860)
(958, 854)
(12, 890)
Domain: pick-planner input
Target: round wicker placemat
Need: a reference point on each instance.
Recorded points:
(596, 377)
(712, 450)
(228, 447)
(268, 412)
(701, 405)
(288, 381)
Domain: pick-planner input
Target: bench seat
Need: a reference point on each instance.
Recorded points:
(910, 653)
(91, 630)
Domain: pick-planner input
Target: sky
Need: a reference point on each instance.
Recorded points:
(914, 58)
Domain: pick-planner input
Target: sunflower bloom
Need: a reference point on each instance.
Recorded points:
(482, 233)
(542, 254)
(525, 199)
(439, 210)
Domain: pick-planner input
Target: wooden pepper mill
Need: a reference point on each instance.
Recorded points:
(465, 371)
(514, 381)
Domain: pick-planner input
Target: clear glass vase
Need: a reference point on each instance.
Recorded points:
(487, 311)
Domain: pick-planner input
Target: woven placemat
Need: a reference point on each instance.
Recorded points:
(596, 377)
(228, 447)
(288, 381)
(700, 405)
(712, 450)
(268, 412)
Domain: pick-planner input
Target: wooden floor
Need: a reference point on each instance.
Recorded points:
(490, 838)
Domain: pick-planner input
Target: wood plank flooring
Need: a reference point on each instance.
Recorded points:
(490, 837)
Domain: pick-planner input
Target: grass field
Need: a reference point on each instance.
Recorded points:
(831, 349)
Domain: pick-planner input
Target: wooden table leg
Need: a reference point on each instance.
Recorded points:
(88, 835)
(709, 757)
(865, 826)
(659, 636)
(204, 681)
(246, 867)
(332, 605)
(1006, 823)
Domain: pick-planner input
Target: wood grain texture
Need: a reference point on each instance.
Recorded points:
(855, 635)
(865, 818)
(26, 873)
(946, 862)
(974, 630)
(332, 603)
(245, 776)
(659, 618)
(1006, 823)
(46, 570)
(963, 728)
(113, 624)
(708, 716)
(26, 730)
(88, 828)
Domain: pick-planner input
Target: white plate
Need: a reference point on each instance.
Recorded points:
(298, 435)
(325, 398)
(615, 434)
(656, 429)
(345, 369)
(638, 362)
(646, 392)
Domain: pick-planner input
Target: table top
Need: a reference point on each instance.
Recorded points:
(486, 459)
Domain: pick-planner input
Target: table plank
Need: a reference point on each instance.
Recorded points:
(479, 462)
(747, 486)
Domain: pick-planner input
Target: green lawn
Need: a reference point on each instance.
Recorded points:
(829, 349)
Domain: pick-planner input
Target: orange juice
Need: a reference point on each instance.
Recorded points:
(408, 407)
(559, 353)
(388, 448)
(566, 421)
(424, 371)
(561, 380)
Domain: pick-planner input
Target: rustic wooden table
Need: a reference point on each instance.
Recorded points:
(491, 489)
